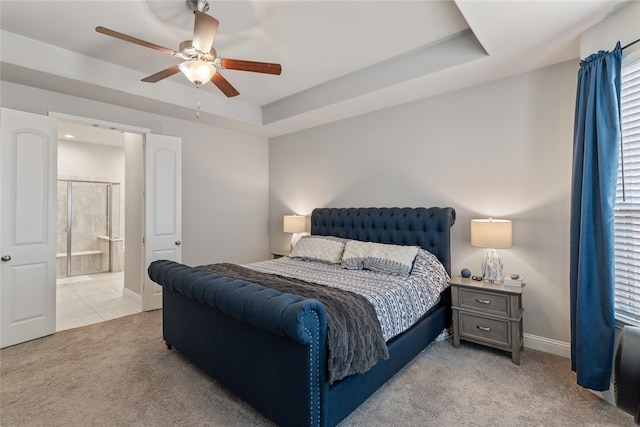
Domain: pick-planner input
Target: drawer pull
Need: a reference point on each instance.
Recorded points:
(483, 301)
(483, 328)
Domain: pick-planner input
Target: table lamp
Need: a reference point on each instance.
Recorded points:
(491, 234)
(294, 224)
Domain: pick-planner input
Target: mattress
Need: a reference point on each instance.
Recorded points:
(399, 301)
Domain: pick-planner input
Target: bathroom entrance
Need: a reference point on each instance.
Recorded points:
(39, 304)
(93, 191)
(89, 239)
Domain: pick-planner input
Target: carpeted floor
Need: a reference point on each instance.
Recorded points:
(119, 373)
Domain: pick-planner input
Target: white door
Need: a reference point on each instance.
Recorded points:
(163, 205)
(28, 144)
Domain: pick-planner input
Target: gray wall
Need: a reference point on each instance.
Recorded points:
(225, 174)
(134, 214)
(502, 149)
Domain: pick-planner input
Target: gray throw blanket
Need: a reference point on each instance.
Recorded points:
(354, 338)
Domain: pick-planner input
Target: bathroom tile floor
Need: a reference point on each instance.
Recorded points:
(84, 300)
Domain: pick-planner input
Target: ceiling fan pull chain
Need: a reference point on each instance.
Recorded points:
(198, 101)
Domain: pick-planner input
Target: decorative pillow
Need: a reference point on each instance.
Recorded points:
(319, 248)
(390, 259)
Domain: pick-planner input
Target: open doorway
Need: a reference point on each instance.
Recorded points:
(91, 237)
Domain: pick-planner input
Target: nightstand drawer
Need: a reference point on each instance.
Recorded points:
(488, 330)
(486, 302)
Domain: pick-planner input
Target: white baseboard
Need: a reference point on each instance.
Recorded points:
(132, 295)
(559, 348)
(608, 396)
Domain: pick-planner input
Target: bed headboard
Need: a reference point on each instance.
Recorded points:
(428, 228)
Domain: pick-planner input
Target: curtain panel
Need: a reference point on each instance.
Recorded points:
(596, 150)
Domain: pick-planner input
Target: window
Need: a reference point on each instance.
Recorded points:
(627, 207)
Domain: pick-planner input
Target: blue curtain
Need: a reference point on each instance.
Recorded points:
(596, 149)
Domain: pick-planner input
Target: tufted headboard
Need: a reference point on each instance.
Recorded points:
(428, 228)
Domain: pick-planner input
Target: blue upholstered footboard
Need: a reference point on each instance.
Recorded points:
(258, 342)
(269, 348)
(255, 305)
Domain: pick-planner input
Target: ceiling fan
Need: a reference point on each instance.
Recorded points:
(200, 59)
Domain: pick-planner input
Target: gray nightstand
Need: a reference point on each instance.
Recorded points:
(489, 314)
(280, 254)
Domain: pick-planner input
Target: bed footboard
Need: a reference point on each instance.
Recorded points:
(259, 343)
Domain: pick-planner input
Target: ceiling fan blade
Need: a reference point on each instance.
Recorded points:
(162, 74)
(204, 31)
(224, 85)
(256, 67)
(131, 39)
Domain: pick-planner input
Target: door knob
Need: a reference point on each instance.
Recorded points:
(6, 258)
(178, 242)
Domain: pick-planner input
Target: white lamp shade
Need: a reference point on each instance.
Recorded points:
(491, 233)
(197, 71)
(294, 224)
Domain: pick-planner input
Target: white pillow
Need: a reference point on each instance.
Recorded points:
(319, 248)
(390, 259)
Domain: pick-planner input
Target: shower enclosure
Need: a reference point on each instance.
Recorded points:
(89, 238)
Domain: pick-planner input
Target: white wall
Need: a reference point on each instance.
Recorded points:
(502, 149)
(94, 162)
(622, 26)
(134, 215)
(225, 174)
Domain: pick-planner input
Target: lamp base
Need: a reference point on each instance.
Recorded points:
(492, 266)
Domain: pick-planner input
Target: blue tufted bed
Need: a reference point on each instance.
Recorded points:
(270, 347)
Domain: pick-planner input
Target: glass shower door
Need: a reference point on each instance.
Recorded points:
(89, 228)
(62, 229)
(116, 241)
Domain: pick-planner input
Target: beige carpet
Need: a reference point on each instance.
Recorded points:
(119, 373)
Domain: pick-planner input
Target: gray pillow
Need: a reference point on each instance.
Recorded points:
(390, 259)
(326, 249)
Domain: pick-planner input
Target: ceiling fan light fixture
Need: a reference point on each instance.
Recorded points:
(201, 5)
(197, 71)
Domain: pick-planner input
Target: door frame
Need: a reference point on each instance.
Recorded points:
(87, 121)
(96, 122)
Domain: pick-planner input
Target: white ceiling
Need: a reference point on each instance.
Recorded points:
(92, 134)
(339, 58)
